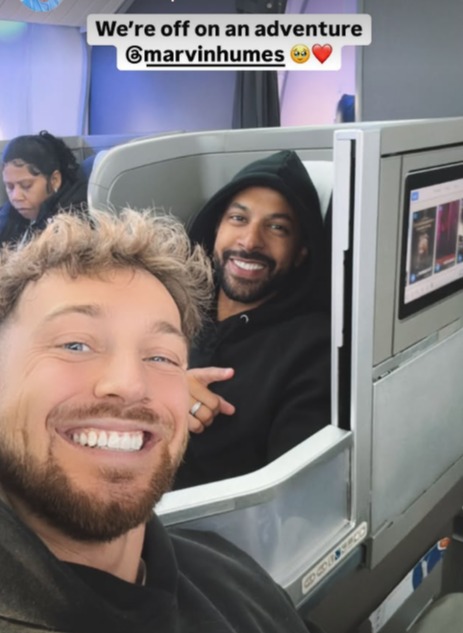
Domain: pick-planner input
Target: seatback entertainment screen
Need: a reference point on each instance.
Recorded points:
(432, 242)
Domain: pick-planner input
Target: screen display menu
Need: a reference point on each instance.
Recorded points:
(432, 249)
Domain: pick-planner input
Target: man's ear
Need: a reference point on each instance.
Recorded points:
(56, 180)
(300, 257)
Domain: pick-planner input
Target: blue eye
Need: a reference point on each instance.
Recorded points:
(76, 346)
(162, 359)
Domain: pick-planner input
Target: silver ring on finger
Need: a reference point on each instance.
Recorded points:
(196, 407)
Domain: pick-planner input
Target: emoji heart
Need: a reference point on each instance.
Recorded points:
(322, 52)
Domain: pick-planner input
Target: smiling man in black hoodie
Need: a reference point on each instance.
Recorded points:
(270, 329)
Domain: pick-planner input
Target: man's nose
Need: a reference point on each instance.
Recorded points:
(124, 378)
(251, 237)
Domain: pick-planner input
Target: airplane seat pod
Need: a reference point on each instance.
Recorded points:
(328, 224)
(87, 165)
(322, 175)
(446, 614)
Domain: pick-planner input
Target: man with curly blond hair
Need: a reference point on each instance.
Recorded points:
(95, 322)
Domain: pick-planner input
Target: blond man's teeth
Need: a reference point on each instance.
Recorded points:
(112, 440)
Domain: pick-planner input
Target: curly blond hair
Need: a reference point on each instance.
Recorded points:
(103, 241)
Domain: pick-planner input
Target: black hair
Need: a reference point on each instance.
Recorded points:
(42, 153)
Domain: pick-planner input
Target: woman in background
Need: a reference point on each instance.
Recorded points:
(41, 178)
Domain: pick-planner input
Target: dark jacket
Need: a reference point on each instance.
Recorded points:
(70, 195)
(280, 350)
(195, 583)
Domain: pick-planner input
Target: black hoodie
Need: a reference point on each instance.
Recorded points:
(196, 582)
(280, 350)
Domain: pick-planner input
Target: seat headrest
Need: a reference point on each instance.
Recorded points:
(322, 175)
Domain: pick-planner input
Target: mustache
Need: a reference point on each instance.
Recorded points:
(102, 410)
(249, 255)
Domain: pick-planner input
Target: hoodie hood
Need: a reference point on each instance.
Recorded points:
(284, 172)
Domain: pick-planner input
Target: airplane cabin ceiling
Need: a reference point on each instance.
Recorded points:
(68, 13)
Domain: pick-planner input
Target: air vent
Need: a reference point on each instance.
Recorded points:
(68, 13)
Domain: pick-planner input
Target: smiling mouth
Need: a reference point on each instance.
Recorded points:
(124, 441)
(247, 265)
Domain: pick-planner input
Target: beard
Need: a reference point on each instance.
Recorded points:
(248, 290)
(49, 492)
